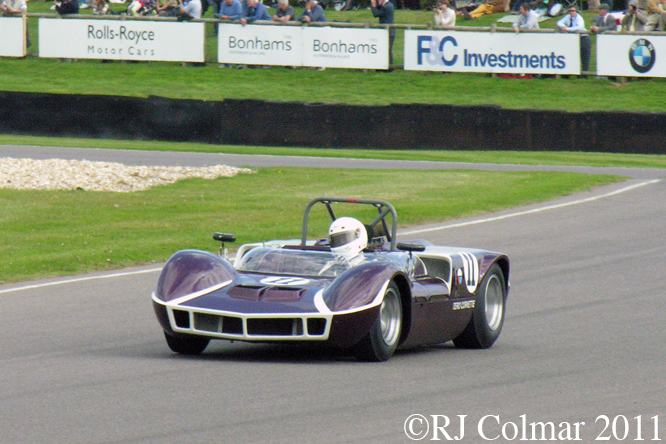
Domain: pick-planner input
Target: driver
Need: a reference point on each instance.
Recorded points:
(347, 237)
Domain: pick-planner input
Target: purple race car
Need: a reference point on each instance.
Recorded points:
(357, 289)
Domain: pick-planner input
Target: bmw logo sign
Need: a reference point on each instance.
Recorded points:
(642, 55)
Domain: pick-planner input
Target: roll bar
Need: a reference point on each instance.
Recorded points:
(383, 207)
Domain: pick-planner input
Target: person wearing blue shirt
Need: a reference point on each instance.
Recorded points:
(255, 11)
(313, 13)
(230, 10)
(384, 10)
(573, 22)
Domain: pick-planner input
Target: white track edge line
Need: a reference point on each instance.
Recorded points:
(69, 281)
(535, 210)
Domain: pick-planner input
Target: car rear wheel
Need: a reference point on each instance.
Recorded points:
(384, 335)
(486, 324)
(187, 345)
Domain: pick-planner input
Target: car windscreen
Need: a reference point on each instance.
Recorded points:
(293, 262)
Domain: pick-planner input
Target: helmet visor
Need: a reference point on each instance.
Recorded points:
(343, 238)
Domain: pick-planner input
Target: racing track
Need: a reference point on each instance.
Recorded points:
(83, 360)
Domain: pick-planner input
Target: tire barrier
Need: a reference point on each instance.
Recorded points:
(258, 122)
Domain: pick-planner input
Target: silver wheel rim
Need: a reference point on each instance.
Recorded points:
(494, 301)
(389, 316)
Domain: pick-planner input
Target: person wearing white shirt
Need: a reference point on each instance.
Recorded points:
(527, 19)
(444, 15)
(573, 22)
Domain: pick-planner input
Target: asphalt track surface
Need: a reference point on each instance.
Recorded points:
(84, 361)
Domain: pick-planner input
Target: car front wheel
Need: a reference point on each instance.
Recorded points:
(486, 324)
(384, 335)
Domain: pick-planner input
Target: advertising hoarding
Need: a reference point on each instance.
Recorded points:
(121, 40)
(524, 53)
(260, 45)
(631, 55)
(303, 46)
(345, 48)
(12, 37)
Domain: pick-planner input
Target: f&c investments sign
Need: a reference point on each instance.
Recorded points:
(121, 40)
(492, 52)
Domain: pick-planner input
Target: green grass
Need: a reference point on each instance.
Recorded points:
(51, 233)
(332, 86)
(499, 157)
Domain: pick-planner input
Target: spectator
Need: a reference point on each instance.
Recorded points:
(284, 12)
(255, 11)
(574, 23)
(490, 7)
(528, 19)
(655, 14)
(634, 20)
(100, 7)
(16, 7)
(384, 10)
(141, 7)
(66, 7)
(444, 16)
(313, 13)
(231, 10)
(190, 10)
(134, 7)
(167, 8)
(604, 21)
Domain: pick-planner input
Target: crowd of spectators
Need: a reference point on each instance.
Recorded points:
(640, 15)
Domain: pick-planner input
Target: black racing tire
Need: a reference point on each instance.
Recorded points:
(488, 318)
(384, 335)
(187, 345)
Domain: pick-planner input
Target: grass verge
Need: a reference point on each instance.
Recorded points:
(52, 233)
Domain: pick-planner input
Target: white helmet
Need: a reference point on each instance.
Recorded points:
(347, 237)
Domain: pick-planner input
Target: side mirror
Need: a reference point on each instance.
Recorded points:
(224, 237)
(410, 247)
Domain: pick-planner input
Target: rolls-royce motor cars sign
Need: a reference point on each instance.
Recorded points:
(121, 40)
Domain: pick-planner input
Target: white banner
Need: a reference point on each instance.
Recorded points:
(121, 40)
(303, 46)
(260, 45)
(12, 37)
(631, 55)
(524, 53)
(345, 48)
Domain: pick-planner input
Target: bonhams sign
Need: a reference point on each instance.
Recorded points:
(121, 40)
(303, 46)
